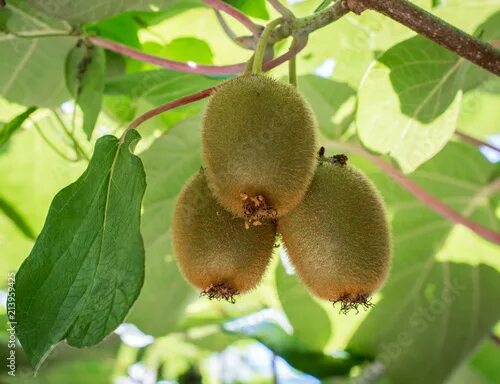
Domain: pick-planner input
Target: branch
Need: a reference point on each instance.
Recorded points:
(435, 29)
(476, 142)
(241, 17)
(166, 63)
(423, 195)
(213, 70)
(170, 105)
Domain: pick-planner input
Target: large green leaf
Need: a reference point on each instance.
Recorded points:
(409, 102)
(87, 266)
(169, 163)
(34, 72)
(85, 71)
(437, 304)
(300, 308)
(333, 103)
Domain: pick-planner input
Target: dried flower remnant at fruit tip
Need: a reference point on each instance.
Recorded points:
(221, 292)
(339, 159)
(347, 303)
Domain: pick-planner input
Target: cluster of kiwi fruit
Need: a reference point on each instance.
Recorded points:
(263, 175)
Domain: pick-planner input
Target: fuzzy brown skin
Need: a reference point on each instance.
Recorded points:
(215, 252)
(258, 139)
(338, 237)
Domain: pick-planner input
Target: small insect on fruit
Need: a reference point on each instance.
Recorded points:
(215, 252)
(338, 236)
(258, 142)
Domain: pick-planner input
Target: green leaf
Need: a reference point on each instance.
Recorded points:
(87, 266)
(81, 11)
(169, 163)
(300, 308)
(409, 102)
(437, 3)
(8, 129)
(437, 304)
(183, 49)
(20, 18)
(254, 8)
(333, 103)
(32, 76)
(85, 72)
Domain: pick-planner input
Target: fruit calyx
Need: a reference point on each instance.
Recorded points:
(339, 159)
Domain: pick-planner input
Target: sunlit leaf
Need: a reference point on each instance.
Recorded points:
(9, 128)
(437, 304)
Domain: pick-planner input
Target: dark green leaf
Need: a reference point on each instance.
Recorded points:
(438, 302)
(8, 129)
(300, 308)
(87, 266)
(85, 70)
(169, 163)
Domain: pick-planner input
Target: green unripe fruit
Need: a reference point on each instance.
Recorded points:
(215, 252)
(338, 236)
(258, 143)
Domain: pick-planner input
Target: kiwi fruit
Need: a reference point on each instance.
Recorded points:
(215, 252)
(258, 141)
(338, 237)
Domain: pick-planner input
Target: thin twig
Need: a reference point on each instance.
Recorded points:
(241, 17)
(166, 63)
(422, 195)
(213, 70)
(435, 29)
(476, 142)
(282, 10)
(260, 51)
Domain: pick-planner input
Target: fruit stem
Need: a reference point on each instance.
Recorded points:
(262, 45)
(292, 71)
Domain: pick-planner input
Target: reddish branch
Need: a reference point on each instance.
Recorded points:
(423, 195)
(476, 142)
(170, 105)
(435, 29)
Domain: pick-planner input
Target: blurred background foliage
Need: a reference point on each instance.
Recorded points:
(434, 320)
